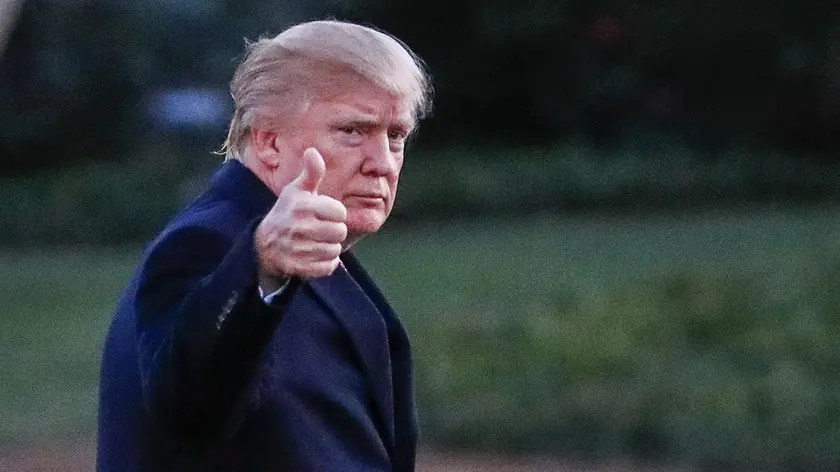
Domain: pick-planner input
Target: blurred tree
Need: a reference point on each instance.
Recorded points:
(9, 12)
(78, 75)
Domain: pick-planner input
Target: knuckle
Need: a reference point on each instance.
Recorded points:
(335, 251)
(284, 266)
(331, 207)
(286, 244)
(300, 211)
(303, 201)
(308, 265)
(314, 271)
(321, 269)
(298, 229)
(330, 266)
(339, 209)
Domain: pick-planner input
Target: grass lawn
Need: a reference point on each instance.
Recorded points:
(538, 321)
(55, 308)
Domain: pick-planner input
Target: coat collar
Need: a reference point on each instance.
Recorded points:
(237, 183)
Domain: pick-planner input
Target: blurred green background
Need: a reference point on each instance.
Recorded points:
(617, 237)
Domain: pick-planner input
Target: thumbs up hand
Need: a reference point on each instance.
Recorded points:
(303, 233)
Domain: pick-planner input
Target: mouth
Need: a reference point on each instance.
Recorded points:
(369, 195)
(368, 199)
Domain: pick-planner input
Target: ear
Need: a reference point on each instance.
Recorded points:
(266, 148)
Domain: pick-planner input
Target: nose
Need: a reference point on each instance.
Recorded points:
(379, 160)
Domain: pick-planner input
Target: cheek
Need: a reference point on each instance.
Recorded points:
(394, 183)
(338, 174)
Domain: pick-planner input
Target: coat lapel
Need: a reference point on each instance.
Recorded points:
(368, 334)
(405, 416)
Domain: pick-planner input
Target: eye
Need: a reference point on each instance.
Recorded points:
(350, 130)
(396, 135)
(396, 142)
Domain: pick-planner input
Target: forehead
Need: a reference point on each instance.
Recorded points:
(369, 103)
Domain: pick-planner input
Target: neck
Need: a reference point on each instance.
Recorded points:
(260, 170)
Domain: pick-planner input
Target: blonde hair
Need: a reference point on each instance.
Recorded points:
(283, 74)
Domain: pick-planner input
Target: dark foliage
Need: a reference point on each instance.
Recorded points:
(77, 75)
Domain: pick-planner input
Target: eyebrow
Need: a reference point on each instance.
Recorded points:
(369, 121)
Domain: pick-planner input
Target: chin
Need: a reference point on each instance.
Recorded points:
(365, 222)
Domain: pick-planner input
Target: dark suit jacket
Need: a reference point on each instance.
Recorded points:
(199, 374)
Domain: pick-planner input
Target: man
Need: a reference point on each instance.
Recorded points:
(250, 339)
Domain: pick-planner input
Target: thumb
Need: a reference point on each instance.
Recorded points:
(313, 171)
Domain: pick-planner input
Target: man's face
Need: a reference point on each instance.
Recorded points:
(361, 133)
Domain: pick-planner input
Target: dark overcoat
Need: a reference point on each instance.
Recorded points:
(200, 374)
